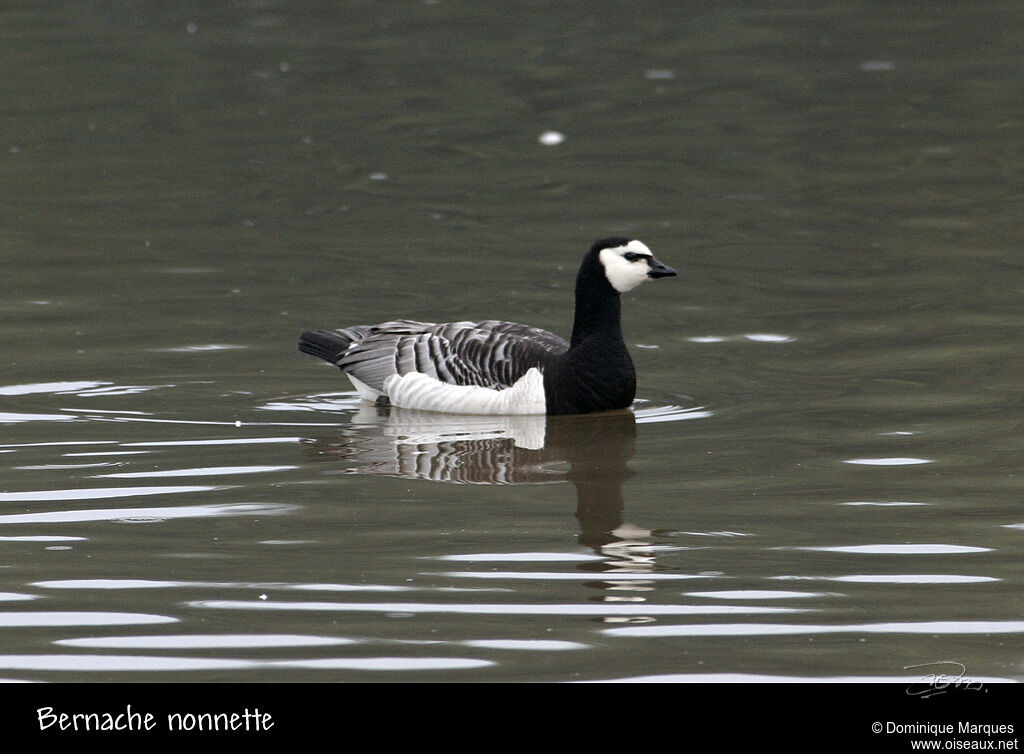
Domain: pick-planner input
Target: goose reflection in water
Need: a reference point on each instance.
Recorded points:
(591, 451)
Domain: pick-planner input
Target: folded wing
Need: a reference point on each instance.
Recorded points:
(489, 354)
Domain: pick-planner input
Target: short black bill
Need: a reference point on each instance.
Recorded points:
(659, 270)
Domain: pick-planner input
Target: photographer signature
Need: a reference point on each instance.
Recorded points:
(935, 683)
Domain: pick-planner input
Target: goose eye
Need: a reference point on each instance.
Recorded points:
(629, 256)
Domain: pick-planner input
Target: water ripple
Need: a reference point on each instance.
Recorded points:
(346, 401)
(137, 663)
(896, 461)
(80, 388)
(753, 337)
(101, 493)
(7, 417)
(893, 504)
(528, 645)
(771, 629)
(207, 471)
(119, 584)
(153, 514)
(107, 663)
(656, 414)
(201, 348)
(760, 678)
(387, 663)
(577, 575)
(222, 441)
(525, 557)
(757, 594)
(201, 641)
(901, 549)
(35, 388)
(491, 609)
(83, 618)
(912, 578)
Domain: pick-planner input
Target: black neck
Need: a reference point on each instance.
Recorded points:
(598, 307)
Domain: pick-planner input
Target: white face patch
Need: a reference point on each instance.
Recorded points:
(622, 273)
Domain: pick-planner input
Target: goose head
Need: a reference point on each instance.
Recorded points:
(627, 263)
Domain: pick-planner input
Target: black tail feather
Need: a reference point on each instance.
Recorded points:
(324, 344)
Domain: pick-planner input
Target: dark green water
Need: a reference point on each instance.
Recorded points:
(822, 476)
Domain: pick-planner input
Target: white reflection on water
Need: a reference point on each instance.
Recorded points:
(207, 471)
(528, 645)
(210, 423)
(755, 678)
(754, 337)
(715, 534)
(107, 453)
(221, 441)
(118, 390)
(103, 663)
(65, 466)
(895, 578)
(201, 348)
(492, 609)
(896, 461)
(62, 442)
(42, 538)
(912, 578)
(769, 338)
(771, 629)
(11, 418)
(118, 412)
(524, 557)
(757, 594)
(118, 584)
(430, 430)
(263, 641)
(135, 663)
(570, 576)
(155, 514)
(894, 504)
(901, 549)
(82, 388)
(51, 387)
(83, 618)
(107, 584)
(669, 414)
(386, 663)
(101, 493)
(321, 402)
(201, 641)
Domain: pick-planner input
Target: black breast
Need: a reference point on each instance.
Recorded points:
(596, 375)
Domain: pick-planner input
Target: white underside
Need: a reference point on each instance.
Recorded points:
(418, 391)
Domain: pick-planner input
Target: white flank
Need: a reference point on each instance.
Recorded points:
(416, 390)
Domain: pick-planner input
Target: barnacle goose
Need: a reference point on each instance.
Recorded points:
(494, 367)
